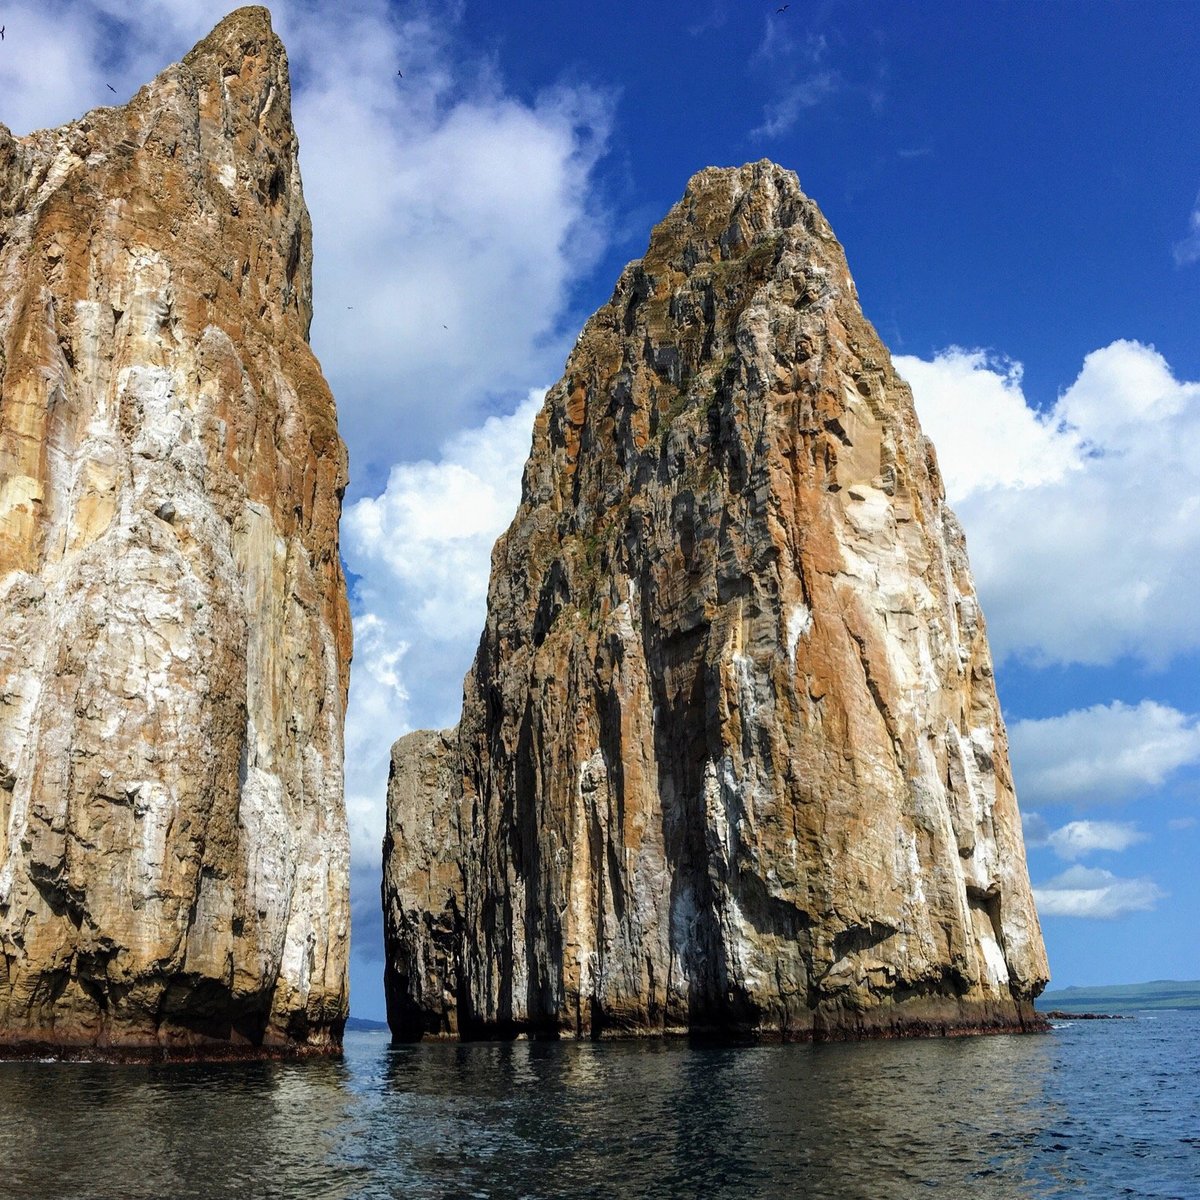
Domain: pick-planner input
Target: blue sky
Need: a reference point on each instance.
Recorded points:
(999, 172)
(1017, 186)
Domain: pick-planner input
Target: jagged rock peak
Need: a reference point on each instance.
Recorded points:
(174, 632)
(730, 756)
(243, 31)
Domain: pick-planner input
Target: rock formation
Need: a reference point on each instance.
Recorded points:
(174, 633)
(730, 756)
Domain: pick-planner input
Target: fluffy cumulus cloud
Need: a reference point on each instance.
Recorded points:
(1085, 543)
(1084, 522)
(972, 406)
(428, 536)
(458, 218)
(1101, 755)
(1034, 828)
(1093, 892)
(422, 549)
(1077, 839)
(450, 217)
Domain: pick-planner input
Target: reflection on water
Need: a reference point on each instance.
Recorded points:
(878, 1119)
(93, 1130)
(1090, 1110)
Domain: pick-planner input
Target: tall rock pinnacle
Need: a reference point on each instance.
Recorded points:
(730, 755)
(174, 634)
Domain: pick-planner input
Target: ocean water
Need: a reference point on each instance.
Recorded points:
(1093, 1109)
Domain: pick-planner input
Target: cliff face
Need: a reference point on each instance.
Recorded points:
(174, 634)
(730, 755)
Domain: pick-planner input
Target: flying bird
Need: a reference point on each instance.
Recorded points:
(400, 73)
(111, 88)
(783, 8)
(2, 28)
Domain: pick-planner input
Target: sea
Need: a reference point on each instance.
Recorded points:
(1091, 1109)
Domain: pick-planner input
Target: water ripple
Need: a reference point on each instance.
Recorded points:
(1094, 1109)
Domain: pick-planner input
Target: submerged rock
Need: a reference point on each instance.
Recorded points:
(174, 633)
(730, 757)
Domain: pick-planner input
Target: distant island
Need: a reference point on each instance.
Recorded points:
(1124, 997)
(362, 1025)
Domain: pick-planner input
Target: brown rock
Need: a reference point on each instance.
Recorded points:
(730, 757)
(174, 633)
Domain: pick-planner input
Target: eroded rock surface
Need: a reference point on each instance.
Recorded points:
(730, 756)
(174, 634)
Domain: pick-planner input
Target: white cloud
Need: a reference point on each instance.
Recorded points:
(422, 549)
(1092, 892)
(1187, 251)
(780, 115)
(1178, 824)
(972, 407)
(61, 55)
(795, 60)
(422, 552)
(1084, 523)
(449, 221)
(1103, 754)
(455, 244)
(1079, 838)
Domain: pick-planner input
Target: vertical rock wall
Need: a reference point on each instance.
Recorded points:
(174, 634)
(730, 756)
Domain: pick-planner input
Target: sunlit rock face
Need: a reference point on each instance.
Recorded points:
(730, 756)
(174, 634)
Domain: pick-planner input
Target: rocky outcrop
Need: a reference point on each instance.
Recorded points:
(730, 756)
(174, 633)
